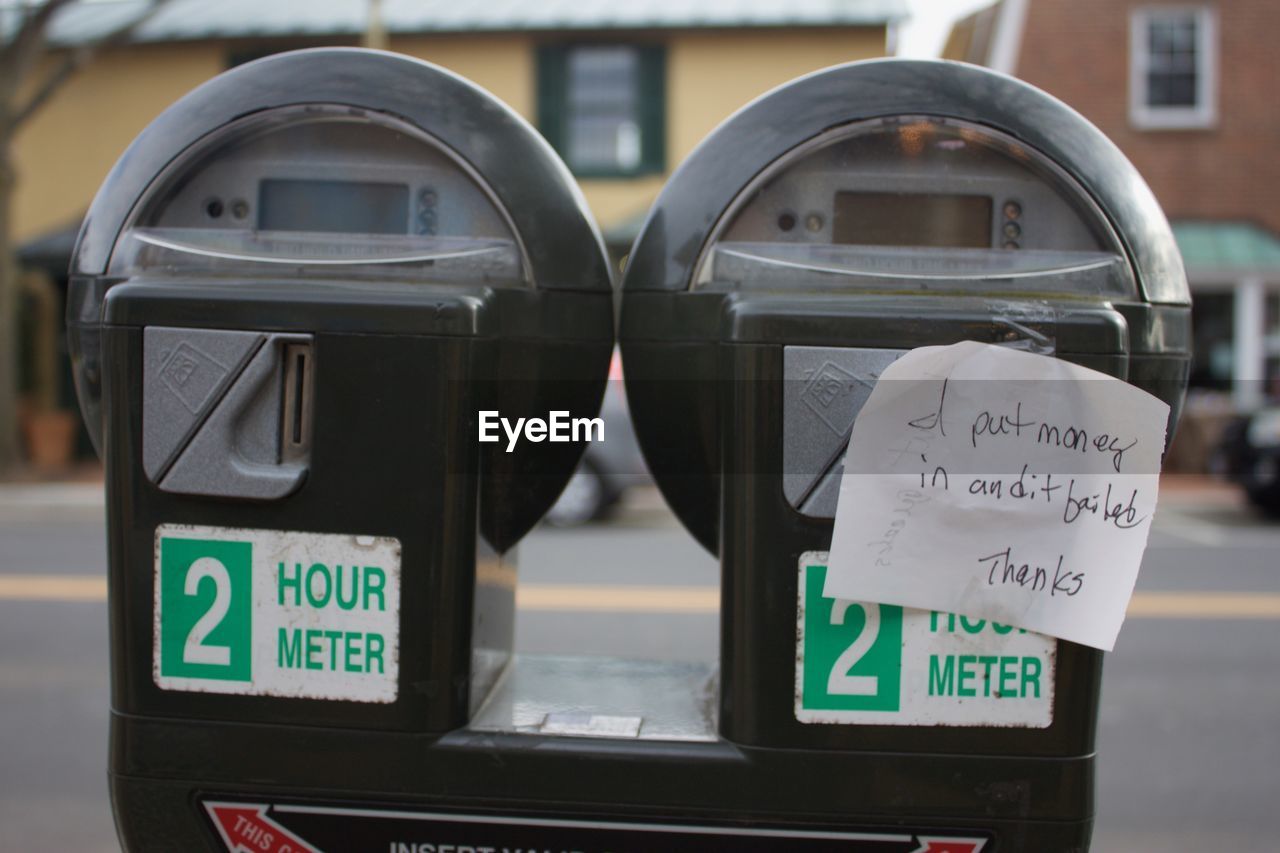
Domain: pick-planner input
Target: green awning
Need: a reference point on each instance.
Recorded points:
(1230, 250)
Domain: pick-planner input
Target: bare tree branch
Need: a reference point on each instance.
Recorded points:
(20, 54)
(76, 59)
(22, 65)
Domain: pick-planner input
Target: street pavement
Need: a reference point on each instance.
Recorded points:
(1189, 728)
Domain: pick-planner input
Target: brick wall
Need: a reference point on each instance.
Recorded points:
(1079, 51)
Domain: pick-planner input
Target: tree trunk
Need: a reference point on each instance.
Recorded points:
(9, 450)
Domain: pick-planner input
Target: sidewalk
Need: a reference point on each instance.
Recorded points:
(19, 498)
(79, 489)
(1200, 490)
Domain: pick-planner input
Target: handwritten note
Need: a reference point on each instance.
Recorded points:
(999, 484)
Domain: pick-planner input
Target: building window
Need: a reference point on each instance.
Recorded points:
(1173, 68)
(603, 107)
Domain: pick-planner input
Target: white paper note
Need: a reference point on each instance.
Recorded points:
(999, 484)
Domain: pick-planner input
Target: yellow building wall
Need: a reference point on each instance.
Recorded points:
(64, 153)
(502, 64)
(710, 75)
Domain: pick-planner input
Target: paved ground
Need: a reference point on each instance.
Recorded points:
(1189, 730)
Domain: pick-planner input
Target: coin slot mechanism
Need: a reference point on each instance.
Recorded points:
(295, 440)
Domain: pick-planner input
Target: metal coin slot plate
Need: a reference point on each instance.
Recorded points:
(824, 389)
(226, 413)
(580, 696)
(295, 426)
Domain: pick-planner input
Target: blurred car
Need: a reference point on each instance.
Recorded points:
(1250, 455)
(609, 467)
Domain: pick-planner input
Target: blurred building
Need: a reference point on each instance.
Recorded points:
(1187, 89)
(624, 91)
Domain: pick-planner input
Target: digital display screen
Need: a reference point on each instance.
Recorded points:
(347, 207)
(912, 219)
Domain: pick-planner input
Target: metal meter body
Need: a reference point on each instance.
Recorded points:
(290, 300)
(814, 237)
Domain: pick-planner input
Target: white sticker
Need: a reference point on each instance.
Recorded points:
(277, 613)
(1002, 485)
(885, 665)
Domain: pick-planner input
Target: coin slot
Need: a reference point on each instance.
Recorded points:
(296, 423)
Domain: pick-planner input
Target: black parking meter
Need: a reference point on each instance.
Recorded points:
(291, 301)
(814, 237)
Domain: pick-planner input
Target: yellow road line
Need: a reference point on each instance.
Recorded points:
(52, 588)
(585, 598)
(706, 599)
(619, 599)
(1205, 605)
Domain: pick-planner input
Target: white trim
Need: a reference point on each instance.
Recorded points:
(1010, 22)
(1205, 113)
(1250, 355)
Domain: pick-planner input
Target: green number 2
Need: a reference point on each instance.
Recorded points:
(196, 649)
(205, 609)
(851, 651)
(840, 682)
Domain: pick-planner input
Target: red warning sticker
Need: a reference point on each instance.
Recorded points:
(246, 828)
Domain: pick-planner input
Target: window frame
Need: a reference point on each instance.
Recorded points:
(1204, 114)
(651, 105)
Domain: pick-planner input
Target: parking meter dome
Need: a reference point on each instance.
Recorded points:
(365, 177)
(902, 190)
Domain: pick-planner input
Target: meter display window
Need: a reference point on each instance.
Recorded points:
(911, 219)
(338, 206)
(915, 203)
(327, 188)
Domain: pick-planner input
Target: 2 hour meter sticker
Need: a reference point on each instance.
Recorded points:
(558, 427)
(277, 613)
(862, 663)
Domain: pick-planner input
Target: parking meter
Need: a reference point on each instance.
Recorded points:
(813, 238)
(290, 302)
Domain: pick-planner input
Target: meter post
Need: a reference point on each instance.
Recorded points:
(289, 300)
(812, 239)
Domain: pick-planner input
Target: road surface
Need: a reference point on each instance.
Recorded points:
(1189, 737)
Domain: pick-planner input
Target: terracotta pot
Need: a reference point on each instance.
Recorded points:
(50, 438)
